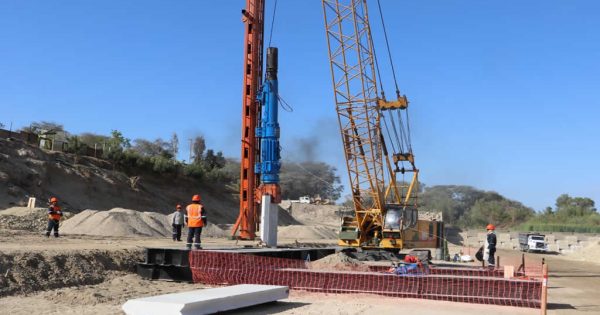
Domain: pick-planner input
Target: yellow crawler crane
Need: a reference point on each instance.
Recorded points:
(376, 137)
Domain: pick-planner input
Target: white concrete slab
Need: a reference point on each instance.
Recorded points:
(206, 301)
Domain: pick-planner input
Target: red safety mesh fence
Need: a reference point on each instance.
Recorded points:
(525, 266)
(463, 284)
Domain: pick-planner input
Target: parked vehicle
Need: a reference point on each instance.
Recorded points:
(529, 242)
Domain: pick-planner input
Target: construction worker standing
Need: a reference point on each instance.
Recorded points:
(195, 219)
(177, 223)
(489, 249)
(54, 215)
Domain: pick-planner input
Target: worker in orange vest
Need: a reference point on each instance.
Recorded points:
(54, 215)
(195, 218)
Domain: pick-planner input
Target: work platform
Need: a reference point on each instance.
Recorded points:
(172, 264)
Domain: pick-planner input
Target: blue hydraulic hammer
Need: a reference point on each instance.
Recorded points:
(268, 130)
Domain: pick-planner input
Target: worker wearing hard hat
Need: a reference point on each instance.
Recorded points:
(54, 215)
(177, 223)
(195, 218)
(489, 249)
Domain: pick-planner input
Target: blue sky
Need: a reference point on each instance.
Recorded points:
(505, 95)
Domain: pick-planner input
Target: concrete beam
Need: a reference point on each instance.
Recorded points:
(269, 221)
(206, 301)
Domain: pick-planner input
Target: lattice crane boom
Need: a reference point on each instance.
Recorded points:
(362, 114)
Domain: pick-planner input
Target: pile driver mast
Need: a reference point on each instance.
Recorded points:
(385, 209)
(260, 152)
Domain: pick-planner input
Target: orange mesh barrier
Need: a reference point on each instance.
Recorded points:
(464, 284)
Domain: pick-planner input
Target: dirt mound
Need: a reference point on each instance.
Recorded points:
(22, 211)
(305, 232)
(28, 272)
(339, 261)
(29, 219)
(590, 253)
(126, 222)
(310, 214)
(118, 222)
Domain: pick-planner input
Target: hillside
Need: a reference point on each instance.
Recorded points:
(88, 183)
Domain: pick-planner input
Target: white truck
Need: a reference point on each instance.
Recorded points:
(529, 242)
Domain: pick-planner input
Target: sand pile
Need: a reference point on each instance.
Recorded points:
(125, 222)
(306, 232)
(590, 253)
(339, 261)
(310, 214)
(118, 222)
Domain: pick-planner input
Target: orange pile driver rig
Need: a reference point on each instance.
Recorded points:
(260, 154)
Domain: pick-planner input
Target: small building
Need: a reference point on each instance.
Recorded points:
(53, 140)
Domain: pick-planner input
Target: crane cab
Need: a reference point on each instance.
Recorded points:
(397, 219)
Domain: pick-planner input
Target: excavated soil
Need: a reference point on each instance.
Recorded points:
(26, 272)
(339, 262)
(22, 218)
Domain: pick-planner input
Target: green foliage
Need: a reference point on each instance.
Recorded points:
(162, 165)
(465, 206)
(194, 170)
(205, 173)
(91, 139)
(572, 214)
(567, 206)
(502, 212)
(158, 147)
(309, 178)
(75, 146)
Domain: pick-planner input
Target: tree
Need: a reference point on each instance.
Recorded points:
(499, 212)
(158, 147)
(309, 178)
(466, 206)
(39, 126)
(174, 145)
(212, 160)
(567, 206)
(118, 142)
(1, 125)
(198, 149)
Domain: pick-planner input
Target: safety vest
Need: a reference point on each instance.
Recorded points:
(57, 213)
(194, 214)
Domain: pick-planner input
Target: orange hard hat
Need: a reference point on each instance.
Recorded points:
(178, 206)
(53, 199)
(490, 227)
(196, 198)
